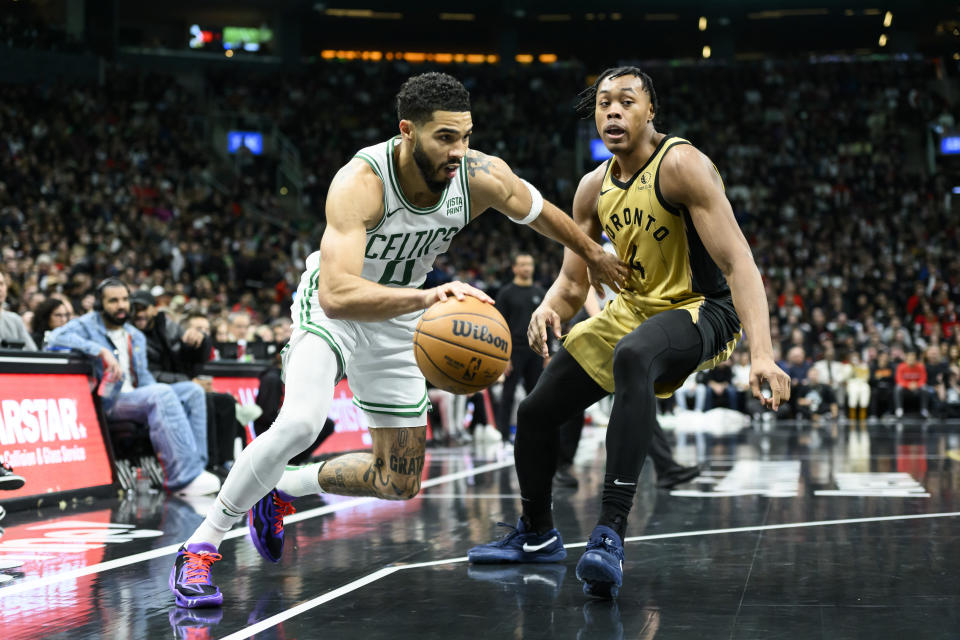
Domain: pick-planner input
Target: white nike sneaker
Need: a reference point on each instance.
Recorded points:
(203, 484)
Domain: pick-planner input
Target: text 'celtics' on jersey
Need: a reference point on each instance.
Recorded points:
(403, 246)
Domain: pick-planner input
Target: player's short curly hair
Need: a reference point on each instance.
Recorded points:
(423, 94)
(587, 100)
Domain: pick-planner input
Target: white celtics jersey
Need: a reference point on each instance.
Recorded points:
(402, 248)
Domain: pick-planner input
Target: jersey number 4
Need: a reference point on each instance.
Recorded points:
(390, 273)
(635, 264)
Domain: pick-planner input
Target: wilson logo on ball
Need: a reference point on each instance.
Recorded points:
(467, 329)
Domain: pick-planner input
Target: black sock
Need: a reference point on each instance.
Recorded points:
(617, 501)
(540, 522)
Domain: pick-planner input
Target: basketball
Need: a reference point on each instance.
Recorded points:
(462, 346)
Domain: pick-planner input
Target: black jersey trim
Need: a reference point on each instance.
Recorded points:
(626, 185)
(675, 210)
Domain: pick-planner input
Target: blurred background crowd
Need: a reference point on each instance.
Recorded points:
(825, 161)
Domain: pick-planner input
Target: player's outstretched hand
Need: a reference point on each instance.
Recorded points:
(542, 319)
(457, 290)
(606, 268)
(765, 370)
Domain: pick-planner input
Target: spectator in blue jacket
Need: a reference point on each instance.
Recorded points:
(176, 413)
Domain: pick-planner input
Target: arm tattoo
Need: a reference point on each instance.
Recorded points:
(476, 161)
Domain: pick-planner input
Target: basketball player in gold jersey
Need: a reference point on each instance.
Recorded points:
(692, 292)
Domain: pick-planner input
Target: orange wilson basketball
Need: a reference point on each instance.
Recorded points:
(462, 346)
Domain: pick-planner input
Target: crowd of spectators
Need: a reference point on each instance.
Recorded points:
(822, 162)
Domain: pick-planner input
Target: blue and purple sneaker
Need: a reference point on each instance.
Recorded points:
(190, 577)
(265, 523)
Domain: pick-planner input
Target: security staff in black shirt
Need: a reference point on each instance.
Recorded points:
(517, 301)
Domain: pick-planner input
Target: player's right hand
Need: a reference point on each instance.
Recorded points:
(456, 289)
(543, 318)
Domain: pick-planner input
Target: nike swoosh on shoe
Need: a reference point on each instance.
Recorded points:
(530, 548)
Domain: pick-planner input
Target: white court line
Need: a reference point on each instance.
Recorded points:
(386, 571)
(472, 496)
(233, 533)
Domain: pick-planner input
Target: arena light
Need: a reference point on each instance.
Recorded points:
(706, 51)
(883, 40)
(702, 24)
(463, 17)
(364, 14)
(410, 56)
(787, 13)
(548, 58)
(888, 19)
(950, 145)
(524, 58)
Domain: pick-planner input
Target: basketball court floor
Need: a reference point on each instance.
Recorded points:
(790, 533)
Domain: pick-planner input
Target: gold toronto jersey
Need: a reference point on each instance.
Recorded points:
(668, 262)
(670, 269)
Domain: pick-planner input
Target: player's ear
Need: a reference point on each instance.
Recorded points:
(408, 130)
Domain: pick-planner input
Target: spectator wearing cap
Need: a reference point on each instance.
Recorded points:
(175, 356)
(178, 431)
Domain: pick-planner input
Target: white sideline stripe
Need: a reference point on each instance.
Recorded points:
(233, 533)
(386, 571)
(789, 525)
(310, 604)
(472, 496)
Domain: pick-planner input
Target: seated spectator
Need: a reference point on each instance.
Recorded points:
(174, 356)
(937, 370)
(13, 333)
(691, 387)
(858, 388)
(49, 315)
(720, 389)
(949, 393)
(795, 366)
(178, 434)
(911, 379)
(882, 382)
(832, 371)
(815, 398)
(741, 381)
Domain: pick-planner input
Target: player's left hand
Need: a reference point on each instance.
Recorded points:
(606, 268)
(766, 370)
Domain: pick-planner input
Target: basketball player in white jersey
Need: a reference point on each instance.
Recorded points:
(391, 211)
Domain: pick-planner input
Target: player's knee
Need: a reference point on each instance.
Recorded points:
(530, 412)
(631, 359)
(298, 432)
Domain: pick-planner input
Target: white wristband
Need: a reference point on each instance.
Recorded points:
(535, 207)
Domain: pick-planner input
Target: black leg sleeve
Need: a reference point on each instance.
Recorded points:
(564, 391)
(660, 453)
(665, 348)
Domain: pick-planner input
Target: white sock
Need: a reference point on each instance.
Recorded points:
(220, 519)
(301, 481)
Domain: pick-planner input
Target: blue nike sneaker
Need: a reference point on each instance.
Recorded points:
(265, 523)
(601, 567)
(520, 545)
